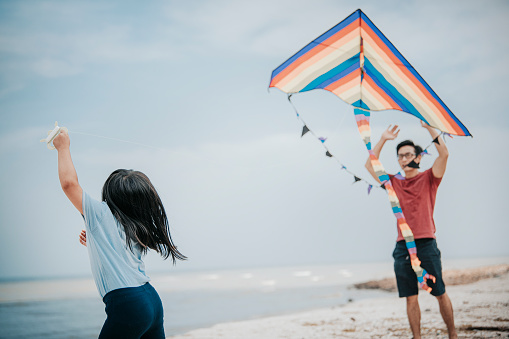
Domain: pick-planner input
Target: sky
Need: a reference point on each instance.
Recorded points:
(179, 90)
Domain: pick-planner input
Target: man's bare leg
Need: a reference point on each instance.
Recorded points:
(413, 312)
(447, 314)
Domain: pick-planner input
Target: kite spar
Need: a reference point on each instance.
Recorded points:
(356, 62)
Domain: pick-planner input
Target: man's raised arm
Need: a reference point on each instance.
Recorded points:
(389, 134)
(443, 153)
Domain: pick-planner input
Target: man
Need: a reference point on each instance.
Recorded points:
(416, 193)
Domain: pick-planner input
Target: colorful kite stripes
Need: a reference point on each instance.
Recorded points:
(362, 118)
(355, 61)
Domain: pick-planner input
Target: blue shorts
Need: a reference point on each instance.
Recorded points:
(430, 257)
(133, 312)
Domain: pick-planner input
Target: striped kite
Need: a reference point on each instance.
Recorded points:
(356, 62)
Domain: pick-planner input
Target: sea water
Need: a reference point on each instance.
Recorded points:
(72, 308)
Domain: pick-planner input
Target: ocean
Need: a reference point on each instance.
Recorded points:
(72, 308)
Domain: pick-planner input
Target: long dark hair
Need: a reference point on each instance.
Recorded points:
(134, 202)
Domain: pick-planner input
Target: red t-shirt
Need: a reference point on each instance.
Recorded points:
(417, 199)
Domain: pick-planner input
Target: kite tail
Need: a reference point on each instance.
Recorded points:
(362, 118)
(422, 277)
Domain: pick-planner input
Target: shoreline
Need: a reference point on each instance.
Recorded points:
(450, 277)
(480, 297)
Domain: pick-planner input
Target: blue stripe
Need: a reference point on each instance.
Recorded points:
(351, 18)
(382, 37)
(334, 74)
(412, 70)
(356, 111)
(390, 90)
(396, 209)
(410, 244)
(361, 104)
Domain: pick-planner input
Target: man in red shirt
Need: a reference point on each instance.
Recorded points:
(416, 193)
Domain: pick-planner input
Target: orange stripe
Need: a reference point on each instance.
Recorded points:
(419, 89)
(317, 58)
(311, 53)
(379, 94)
(340, 82)
(404, 227)
(364, 128)
(345, 87)
(362, 123)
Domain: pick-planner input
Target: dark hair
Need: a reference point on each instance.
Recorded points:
(136, 205)
(417, 148)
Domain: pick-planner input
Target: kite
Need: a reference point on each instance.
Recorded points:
(355, 61)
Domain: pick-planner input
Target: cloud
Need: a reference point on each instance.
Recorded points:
(14, 87)
(56, 52)
(262, 27)
(22, 139)
(53, 68)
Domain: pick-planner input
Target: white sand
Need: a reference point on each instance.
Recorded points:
(481, 311)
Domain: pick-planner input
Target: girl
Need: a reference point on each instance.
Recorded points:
(119, 231)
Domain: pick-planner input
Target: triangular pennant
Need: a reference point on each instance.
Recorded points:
(382, 185)
(356, 178)
(328, 154)
(343, 167)
(425, 152)
(399, 176)
(413, 164)
(305, 129)
(369, 188)
(436, 141)
(322, 139)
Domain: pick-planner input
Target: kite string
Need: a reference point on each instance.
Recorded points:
(120, 140)
(306, 129)
(164, 149)
(433, 142)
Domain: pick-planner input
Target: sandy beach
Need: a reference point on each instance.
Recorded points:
(480, 298)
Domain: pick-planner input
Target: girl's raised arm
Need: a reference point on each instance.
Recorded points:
(67, 172)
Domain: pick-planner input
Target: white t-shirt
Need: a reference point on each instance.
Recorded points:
(113, 264)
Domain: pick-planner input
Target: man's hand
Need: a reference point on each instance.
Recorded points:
(440, 163)
(390, 133)
(425, 125)
(83, 238)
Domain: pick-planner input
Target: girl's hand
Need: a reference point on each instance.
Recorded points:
(391, 133)
(62, 140)
(83, 238)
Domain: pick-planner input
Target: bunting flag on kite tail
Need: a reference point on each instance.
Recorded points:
(356, 62)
